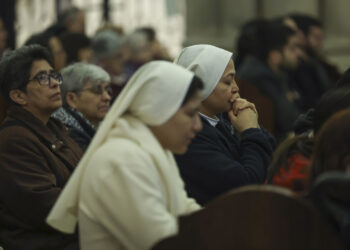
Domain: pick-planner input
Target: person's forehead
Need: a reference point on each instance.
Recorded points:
(40, 65)
(230, 68)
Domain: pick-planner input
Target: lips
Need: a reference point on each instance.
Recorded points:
(56, 96)
(103, 108)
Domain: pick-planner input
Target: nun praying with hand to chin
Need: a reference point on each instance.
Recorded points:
(221, 158)
(127, 192)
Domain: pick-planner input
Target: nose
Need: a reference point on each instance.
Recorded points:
(53, 83)
(235, 88)
(106, 96)
(197, 124)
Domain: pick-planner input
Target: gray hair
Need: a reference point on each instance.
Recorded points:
(76, 75)
(137, 41)
(105, 44)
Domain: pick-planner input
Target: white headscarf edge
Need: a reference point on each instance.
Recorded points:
(207, 62)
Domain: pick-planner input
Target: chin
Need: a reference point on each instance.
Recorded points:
(56, 107)
(180, 151)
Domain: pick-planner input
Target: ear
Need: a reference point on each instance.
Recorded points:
(18, 96)
(275, 57)
(72, 99)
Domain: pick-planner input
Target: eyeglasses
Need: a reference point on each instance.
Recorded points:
(99, 90)
(45, 79)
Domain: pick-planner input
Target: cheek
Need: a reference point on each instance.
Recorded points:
(180, 130)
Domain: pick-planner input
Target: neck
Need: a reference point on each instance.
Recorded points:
(207, 112)
(42, 117)
(94, 122)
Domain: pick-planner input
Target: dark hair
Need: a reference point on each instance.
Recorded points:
(72, 43)
(15, 67)
(305, 22)
(195, 85)
(247, 43)
(344, 80)
(331, 102)
(149, 32)
(42, 39)
(273, 36)
(332, 145)
(68, 15)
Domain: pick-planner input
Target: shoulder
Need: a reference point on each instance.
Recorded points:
(118, 160)
(18, 140)
(122, 153)
(12, 130)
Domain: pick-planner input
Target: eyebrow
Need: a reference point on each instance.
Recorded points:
(231, 74)
(44, 72)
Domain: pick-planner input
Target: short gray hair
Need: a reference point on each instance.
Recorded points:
(105, 44)
(76, 75)
(137, 41)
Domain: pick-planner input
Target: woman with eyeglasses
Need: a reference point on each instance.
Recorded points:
(86, 96)
(36, 154)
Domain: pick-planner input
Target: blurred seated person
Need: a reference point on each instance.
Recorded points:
(86, 98)
(266, 70)
(37, 155)
(51, 41)
(109, 26)
(158, 50)
(77, 47)
(313, 32)
(143, 46)
(72, 19)
(290, 166)
(222, 157)
(108, 52)
(309, 78)
(304, 123)
(139, 51)
(127, 192)
(332, 146)
(247, 42)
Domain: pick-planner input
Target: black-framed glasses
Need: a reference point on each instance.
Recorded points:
(45, 78)
(99, 90)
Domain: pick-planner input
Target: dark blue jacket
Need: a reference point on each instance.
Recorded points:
(218, 161)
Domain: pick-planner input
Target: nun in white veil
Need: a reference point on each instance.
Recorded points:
(126, 191)
(221, 158)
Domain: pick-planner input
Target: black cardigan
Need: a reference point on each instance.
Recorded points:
(218, 161)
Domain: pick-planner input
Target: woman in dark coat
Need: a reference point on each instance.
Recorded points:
(229, 152)
(37, 156)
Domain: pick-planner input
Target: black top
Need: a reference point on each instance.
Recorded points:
(218, 161)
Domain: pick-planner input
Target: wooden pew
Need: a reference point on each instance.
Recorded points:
(254, 217)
